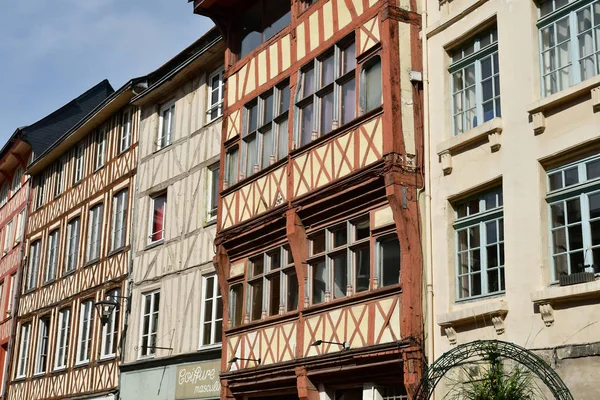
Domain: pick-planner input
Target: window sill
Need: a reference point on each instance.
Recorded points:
(59, 370)
(91, 262)
(81, 364)
(210, 222)
(213, 121)
(38, 375)
(107, 358)
(20, 378)
(77, 183)
(157, 151)
(210, 347)
(489, 130)
(257, 175)
(123, 151)
(154, 244)
(50, 282)
(67, 273)
(494, 311)
(555, 294)
(98, 168)
(115, 251)
(538, 109)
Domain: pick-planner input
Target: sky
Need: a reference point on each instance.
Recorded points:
(51, 51)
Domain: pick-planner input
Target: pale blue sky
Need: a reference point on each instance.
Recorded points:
(53, 50)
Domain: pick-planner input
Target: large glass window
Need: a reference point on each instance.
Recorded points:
(272, 283)
(41, 354)
(72, 250)
(149, 329)
(475, 82)
(23, 349)
(569, 42)
(166, 126)
(119, 220)
(215, 95)
(94, 237)
(53, 242)
(34, 264)
(574, 201)
(110, 329)
(86, 327)
(211, 329)
(261, 21)
(62, 341)
(266, 129)
(326, 92)
(479, 228)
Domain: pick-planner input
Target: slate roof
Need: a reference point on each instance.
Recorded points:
(45, 132)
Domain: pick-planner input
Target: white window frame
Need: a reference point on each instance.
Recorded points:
(232, 162)
(211, 210)
(477, 221)
(43, 340)
(86, 328)
(126, 125)
(58, 183)
(152, 330)
(164, 139)
(204, 311)
(52, 255)
(218, 106)
(20, 227)
(78, 163)
(7, 237)
(63, 329)
(4, 190)
(25, 338)
(94, 234)
(17, 180)
(151, 219)
(110, 334)
(118, 230)
(34, 263)
(72, 249)
(567, 12)
(39, 198)
(100, 147)
(11, 293)
(472, 54)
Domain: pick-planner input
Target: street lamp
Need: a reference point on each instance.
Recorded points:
(236, 359)
(106, 307)
(345, 345)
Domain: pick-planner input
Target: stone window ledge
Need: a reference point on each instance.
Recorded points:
(545, 298)
(489, 130)
(540, 108)
(495, 311)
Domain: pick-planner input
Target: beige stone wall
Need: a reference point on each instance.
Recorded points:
(519, 164)
(176, 266)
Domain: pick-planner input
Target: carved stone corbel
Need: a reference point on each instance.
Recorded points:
(494, 140)
(539, 122)
(498, 324)
(450, 334)
(446, 159)
(547, 314)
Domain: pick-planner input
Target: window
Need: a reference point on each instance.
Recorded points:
(272, 283)
(388, 260)
(150, 307)
(231, 167)
(370, 85)
(34, 261)
(125, 141)
(119, 220)
(53, 240)
(20, 226)
(326, 93)
(39, 198)
(110, 330)
(10, 291)
(574, 208)
(24, 350)
(58, 183)
(84, 342)
(94, 237)
(479, 230)
(213, 201)
(7, 238)
(72, 250)
(340, 260)
(16, 180)
(212, 311)
(157, 218)
(236, 304)
(475, 82)
(4, 194)
(569, 42)
(215, 95)
(262, 21)
(100, 147)
(62, 342)
(266, 129)
(41, 354)
(78, 168)
(165, 129)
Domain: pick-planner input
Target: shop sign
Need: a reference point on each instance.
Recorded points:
(198, 381)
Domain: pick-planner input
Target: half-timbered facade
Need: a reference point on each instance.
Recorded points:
(14, 194)
(174, 330)
(77, 252)
(318, 244)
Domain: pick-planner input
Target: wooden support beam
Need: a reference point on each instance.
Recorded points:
(306, 389)
(19, 159)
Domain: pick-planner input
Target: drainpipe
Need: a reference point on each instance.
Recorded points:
(428, 218)
(15, 300)
(129, 282)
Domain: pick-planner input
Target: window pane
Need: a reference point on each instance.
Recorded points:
(284, 98)
(276, 16)
(390, 261)
(282, 140)
(326, 71)
(267, 109)
(251, 154)
(252, 113)
(373, 84)
(339, 236)
(258, 266)
(571, 176)
(340, 275)
(274, 290)
(326, 113)
(318, 282)
(306, 123)
(309, 82)
(348, 101)
(318, 243)
(275, 259)
(362, 261)
(257, 297)
(349, 58)
(292, 292)
(555, 180)
(573, 211)
(268, 149)
(593, 167)
(361, 229)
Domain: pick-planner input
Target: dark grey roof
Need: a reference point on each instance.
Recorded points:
(42, 134)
